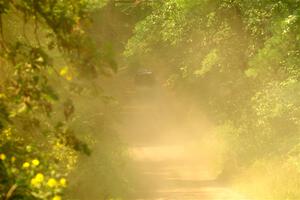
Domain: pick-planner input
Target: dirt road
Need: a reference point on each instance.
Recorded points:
(173, 149)
(171, 174)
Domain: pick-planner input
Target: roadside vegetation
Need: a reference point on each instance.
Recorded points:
(239, 61)
(48, 70)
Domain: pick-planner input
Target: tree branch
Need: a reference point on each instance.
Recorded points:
(11, 191)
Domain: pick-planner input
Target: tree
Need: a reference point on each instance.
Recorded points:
(44, 45)
(238, 60)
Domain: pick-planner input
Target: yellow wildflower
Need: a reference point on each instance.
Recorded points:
(63, 182)
(35, 162)
(2, 156)
(34, 182)
(64, 71)
(25, 165)
(39, 177)
(37, 180)
(13, 159)
(56, 197)
(51, 182)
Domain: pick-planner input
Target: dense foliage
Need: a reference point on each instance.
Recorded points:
(45, 56)
(239, 60)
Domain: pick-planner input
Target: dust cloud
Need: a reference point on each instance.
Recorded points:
(175, 151)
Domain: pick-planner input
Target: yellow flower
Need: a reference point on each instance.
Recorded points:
(39, 177)
(34, 182)
(56, 197)
(25, 165)
(2, 156)
(51, 182)
(37, 180)
(13, 159)
(64, 71)
(35, 162)
(63, 182)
